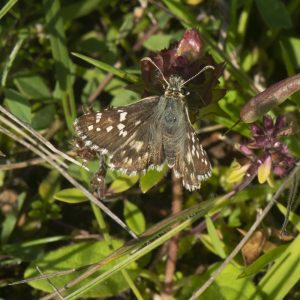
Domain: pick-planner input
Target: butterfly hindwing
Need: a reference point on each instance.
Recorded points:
(192, 163)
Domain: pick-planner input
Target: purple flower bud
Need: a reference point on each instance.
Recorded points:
(261, 141)
(246, 151)
(266, 157)
(191, 45)
(268, 124)
(255, 129)
(279, 124)
(184, 58)
(275, 156)
(279, 171)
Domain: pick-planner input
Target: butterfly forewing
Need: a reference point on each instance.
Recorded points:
(122, 133)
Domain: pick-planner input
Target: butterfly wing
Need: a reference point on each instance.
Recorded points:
(192, 163)
(124, 133)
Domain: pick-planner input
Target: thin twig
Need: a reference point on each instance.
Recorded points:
(38, 136)
(290, 202)
(210, 128)
(248, 235)
(103, 83)
(26, 163)
(32, 141)
(57, 293)
(22, 164)
(173, 243)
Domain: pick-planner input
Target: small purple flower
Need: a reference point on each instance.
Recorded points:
(265, 150)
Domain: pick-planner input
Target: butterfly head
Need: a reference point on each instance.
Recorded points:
(175, 87)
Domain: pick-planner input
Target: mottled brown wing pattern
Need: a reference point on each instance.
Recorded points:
(146, 134)
(123, 134)
(192, 163)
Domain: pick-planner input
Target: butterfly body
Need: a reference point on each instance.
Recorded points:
(147, 134)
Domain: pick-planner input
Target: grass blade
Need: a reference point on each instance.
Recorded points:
(55, 28)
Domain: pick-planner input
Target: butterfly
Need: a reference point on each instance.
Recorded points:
(147, 134)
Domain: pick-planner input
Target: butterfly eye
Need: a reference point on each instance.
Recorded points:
(184, 92)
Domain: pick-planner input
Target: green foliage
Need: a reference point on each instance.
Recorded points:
(59, 58)
(151, 178)
(72, 195)
(134, 218)
(81, 254)
(18, 105)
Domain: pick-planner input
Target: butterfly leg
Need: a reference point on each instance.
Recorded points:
(98, 180)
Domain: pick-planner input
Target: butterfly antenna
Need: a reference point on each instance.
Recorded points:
(201, 71)
(156, 66)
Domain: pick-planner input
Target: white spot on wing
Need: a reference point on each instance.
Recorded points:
(109, 128)
(123, 133)
(98, 129)
(123, 116)
(193, 149)
(189, 157)
(91, 127)
(121, 126)
(98, 117)
(137, 145)
(95, 147)
(138, 122)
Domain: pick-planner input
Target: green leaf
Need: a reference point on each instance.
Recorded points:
(262, 261)
(103, 66)
(274, 13)
(32, 86)
(50, 185)
(30, 250)
(63, 66)
(123, 97)
(18, 105)
(123, 183)
(180, 11)
(134, 217)
(44, 117)
(79, 255)
(158, 42)
(79, 9)
(284, 274)
(226, 285)
(293, 217)
(287, 59)
(292, 46)
(9, 223)
(72, 195)
(216, 242)
(23, 34)
(151, 178)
